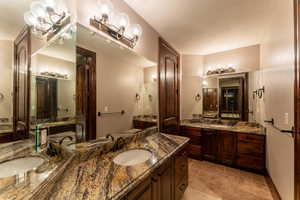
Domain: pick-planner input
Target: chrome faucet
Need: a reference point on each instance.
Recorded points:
(119, 144)
(110, 136)
(67, 137)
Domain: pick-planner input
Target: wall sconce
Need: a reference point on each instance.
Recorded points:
(115, 24)
(150, 97)
(197, 97)
(259, 93)
(137, 97)
(154, 77)
(45, 19)
(204, 83)
(1, 96)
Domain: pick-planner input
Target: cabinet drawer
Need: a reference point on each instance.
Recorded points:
(180, 188)
(251, 138)
(250, 162)
(249, 147)
(194, 151)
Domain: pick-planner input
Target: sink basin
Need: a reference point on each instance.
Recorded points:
(132, 157)
(19, 166)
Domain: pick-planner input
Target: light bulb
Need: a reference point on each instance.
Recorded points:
(30, 19)
(49, 3)
(122, 20)
(38, 10)
(136, 30)
(105, 8)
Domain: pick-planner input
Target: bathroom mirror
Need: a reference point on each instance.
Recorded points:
(230, 96)
(124, 84)
(53, 85)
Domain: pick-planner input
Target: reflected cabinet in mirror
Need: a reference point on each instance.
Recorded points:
(53, 86)
(229, 96)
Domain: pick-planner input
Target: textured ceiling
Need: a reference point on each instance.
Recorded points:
(205, 26)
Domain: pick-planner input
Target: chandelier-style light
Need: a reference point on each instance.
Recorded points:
(45, 18)
(116, 24)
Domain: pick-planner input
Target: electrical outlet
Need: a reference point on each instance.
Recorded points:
(105, 108)
(286, 118)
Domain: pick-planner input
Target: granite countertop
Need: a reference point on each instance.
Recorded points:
(86, 172)
(24, 186)
(94, 175)
(240, 127)
(146, 119)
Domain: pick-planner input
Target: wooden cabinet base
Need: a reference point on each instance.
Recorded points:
(168, 182)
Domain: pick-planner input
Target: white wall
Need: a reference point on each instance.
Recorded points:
(277, 75)
(6, 80)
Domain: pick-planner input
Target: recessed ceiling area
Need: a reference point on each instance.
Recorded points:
(205, 26)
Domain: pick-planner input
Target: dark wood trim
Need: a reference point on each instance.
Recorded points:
(296, 103)
(162, 42)
(92, 105)
(272, 187)
(24, 34)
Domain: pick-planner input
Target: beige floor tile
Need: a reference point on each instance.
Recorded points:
(209, 181)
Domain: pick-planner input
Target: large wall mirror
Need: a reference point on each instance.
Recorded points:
(231, 96)
(53, 85)
(121, 85)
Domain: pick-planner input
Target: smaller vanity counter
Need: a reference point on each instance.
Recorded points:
(239, 144)
(144, 121)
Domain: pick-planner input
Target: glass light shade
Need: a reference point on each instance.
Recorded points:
(105, 7)
(49, 3)
(121, 20)
(38, 10)
(30, 19)
(136, 30)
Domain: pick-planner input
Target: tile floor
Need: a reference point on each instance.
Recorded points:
(209, 181)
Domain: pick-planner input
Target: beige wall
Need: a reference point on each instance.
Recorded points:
(6, 80)
(191, 85)
(244, 59)
(148, 43)
(277, 75)
(194, 67)
(150, 87)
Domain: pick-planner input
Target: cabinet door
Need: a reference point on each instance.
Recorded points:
(209, 144)
(227, 147)
(142, 192)
(166, 184)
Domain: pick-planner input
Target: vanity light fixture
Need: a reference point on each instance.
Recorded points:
(198, 97)
(116, 24)
(45, 18)
(221, 70)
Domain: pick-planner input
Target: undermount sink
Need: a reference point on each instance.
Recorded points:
(132, 157)
(19, 166)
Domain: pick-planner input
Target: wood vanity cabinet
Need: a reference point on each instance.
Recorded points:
(168, 182)
(226, 147)
(209, 144)
(251, 151)
(242, 150)
(194, 148)
(138, 124)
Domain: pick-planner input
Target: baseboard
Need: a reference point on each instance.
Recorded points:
(274, 191)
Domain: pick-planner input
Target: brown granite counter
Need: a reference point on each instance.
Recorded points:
(241, 126)
(94, 175)
(25, 186)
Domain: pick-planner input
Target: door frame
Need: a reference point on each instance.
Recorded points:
(163, 42)
(25, 34)
(92, 104)
(297, 101)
